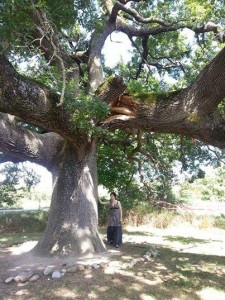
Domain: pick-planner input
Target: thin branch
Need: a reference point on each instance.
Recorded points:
(55, 54)
(132, 12)
(132, 30)
(216, 154)
(157, 65)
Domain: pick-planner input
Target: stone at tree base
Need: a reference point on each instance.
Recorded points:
(81, 267)
(95, 266)
(48, 270)
(154, 254)
(89, 267)
(153, 247)
(146, 257)
(56, 275)
(23, 276)
(10, 279)
(103, 264)
(73, 269)
(34, 278)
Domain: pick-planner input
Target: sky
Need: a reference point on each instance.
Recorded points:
(116, 49)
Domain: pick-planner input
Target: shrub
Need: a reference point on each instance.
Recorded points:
(24, 222)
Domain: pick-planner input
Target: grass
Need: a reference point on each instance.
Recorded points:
(185, 240)
(175, 274)
(23, 222)
(12, 238)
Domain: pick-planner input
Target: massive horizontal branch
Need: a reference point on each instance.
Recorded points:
(208, 90)
(168, 116)
(8, 158)
(192, 111)
(19, 144)
(32, 102)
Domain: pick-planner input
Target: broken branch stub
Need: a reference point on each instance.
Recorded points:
(111, 89)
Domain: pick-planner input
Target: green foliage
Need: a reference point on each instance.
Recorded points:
(220, 222)
(209, 187)
(86, 111)
(24, 221)
(16, 181)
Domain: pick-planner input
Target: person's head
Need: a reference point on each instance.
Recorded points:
(113, 196)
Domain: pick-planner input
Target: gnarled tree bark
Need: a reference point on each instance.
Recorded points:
(73, 220)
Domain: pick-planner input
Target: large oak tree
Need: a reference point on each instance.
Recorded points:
(56, 119)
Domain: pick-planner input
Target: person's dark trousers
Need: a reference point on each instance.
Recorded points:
(114, 235)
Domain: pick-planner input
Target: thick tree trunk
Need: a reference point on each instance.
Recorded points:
(73, 220)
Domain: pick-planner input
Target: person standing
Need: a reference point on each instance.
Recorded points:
(114, 229)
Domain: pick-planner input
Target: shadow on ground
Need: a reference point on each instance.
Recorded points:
(172, 275)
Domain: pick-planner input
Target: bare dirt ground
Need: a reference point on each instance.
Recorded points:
(190, 265)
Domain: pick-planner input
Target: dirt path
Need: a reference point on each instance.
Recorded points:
(191, 265)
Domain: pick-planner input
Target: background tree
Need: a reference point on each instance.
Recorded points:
(15, 183)
(58, 112)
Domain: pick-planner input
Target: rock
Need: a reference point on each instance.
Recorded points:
(95, 266)
(81, 267)
(146, 257)
(56, 275)
(153, 247)
(24, 276)
(133, 262)
(10, 279)
(48, 270)
(63, 271)
(154, 253)
(139, 259)
(73, 269)
(148, 253)
(124, 266)
(103, 264)
(34, 278)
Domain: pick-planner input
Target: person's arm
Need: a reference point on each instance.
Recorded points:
(103, 202)
(121, 212)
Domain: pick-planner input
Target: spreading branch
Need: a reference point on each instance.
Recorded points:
(192, 111)
(208, 90)
(32, 102)
(132, 12)
(46, 39)
(19, 144)
(95, 70)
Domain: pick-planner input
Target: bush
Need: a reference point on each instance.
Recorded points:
(220, 222)
(24, 222)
